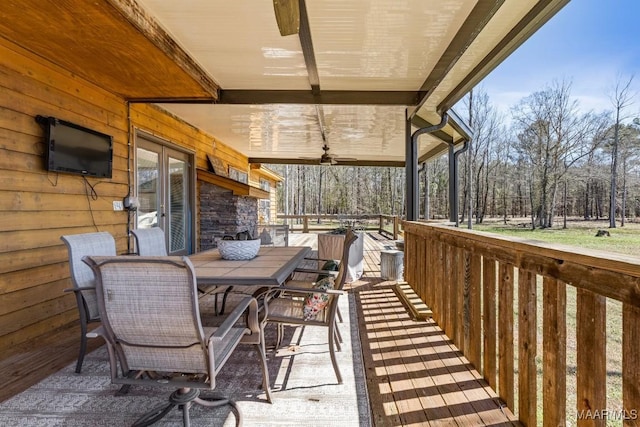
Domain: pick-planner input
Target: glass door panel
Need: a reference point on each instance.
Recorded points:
(178, 200)
(149, 186)
(164, 190)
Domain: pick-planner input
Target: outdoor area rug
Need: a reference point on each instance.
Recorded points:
(304, 388)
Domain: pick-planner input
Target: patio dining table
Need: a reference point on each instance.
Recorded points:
(271, 267)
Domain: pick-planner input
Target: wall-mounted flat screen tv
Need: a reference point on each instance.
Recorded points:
(75, 149)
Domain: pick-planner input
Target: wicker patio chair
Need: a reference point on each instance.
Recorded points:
(150, 241)
(293, 303)
(83, 280)
(151, 323)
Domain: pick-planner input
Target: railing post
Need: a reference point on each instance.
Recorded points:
(505, 333)
(395, 228)
(527, 347)
(554, 352)
(630, 363)
(305, 224)
(489, 324)
(591, 357)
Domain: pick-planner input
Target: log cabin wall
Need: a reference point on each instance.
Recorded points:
(259, 173)
(37, 207)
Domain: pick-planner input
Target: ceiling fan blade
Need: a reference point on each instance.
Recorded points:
(287, 16)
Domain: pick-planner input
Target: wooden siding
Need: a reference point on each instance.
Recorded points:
(37, 207)
(258, 172)
(114, 44)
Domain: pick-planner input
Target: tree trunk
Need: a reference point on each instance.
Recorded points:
(533, 211)
(564, 206)
(426, 191)
(320, 190)
(614, 177)
(298, 209)
(587, 201)
(623, 205)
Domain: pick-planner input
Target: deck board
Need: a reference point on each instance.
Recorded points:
(414, 375)
(417, 375)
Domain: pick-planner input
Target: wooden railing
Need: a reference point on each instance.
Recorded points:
(485, 292)
(384, 224)
(391, 222)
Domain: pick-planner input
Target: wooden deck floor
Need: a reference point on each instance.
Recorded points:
(414, 375)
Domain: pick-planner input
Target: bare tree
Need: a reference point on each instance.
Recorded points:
(626, 147)
(621, 98)
(485, 122)
(552, 137)
(545, 163)
(503, 177)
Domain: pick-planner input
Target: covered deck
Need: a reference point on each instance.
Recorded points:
(530, 317)
(398, 372)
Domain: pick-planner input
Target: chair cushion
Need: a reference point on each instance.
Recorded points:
(330, 265)
(314, 303)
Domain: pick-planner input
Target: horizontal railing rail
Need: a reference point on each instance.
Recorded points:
(388, 225)
(487, 293)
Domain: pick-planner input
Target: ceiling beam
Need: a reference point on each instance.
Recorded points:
(462, 133)
(440, 134)
(307, 49)
(281, 161)
(437, 151)
(420, 123)
(287, 16)
(529, 24)
(173, 100)
(472, 26)
(337, 97)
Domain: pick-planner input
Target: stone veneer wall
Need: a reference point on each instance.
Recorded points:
(222, 213)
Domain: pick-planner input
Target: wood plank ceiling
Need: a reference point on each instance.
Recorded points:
(347, 79)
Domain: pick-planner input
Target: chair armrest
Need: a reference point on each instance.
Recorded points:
(305, 291)
(84, 288)
(97, 332)
(232, 318)
(311, 270)
(206, 290)
(319, 259)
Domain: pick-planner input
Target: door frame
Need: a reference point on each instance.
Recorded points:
(191, 197)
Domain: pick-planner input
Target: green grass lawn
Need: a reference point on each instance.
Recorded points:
(580, 233)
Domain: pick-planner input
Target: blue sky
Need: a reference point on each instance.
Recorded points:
(589, 43)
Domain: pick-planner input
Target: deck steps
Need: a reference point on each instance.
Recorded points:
(417, 308)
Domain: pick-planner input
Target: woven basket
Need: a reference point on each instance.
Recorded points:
(237, 250)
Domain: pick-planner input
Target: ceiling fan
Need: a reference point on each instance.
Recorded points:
(287, 16)
(328, 159)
